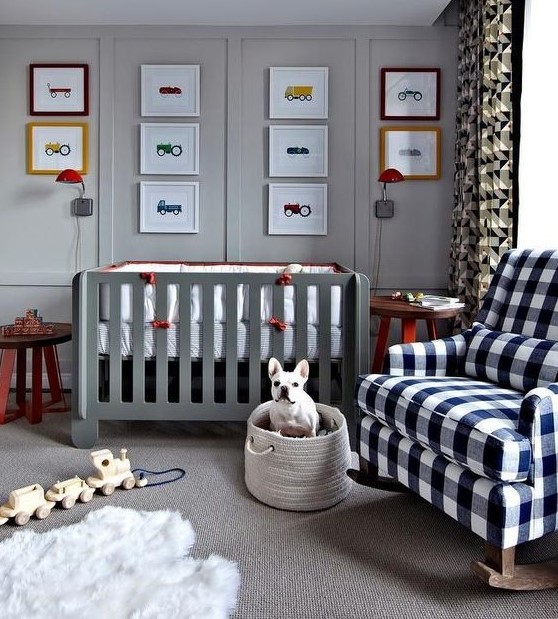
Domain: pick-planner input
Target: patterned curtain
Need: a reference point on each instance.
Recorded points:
(482, 215)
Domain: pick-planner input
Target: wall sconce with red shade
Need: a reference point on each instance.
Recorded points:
(384, 207)
(81, 206)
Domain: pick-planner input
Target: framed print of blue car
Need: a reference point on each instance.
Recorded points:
(298, 150)
(410, 94)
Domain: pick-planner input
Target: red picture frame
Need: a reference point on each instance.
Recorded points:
(58, 89)
(410, 93)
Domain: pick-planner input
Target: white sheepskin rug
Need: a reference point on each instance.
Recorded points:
(116, 563)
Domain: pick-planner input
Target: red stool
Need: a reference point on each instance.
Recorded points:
(16, 346)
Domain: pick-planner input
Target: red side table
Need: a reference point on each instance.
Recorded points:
(41, 346)
(387, 308)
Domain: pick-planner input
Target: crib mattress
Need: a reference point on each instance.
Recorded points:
(219, 343)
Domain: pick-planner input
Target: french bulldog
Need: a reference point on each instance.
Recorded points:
(292, 411)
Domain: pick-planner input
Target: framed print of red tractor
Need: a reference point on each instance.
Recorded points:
(58, 90)
(297, 208)
(410, 94)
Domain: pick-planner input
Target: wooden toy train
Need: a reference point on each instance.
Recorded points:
(33, 500)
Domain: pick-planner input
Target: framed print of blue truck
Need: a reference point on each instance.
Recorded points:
(169, 207)
(298, 92)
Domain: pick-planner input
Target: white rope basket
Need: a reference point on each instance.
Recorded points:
(298, 474)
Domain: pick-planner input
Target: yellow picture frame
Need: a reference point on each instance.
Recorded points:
(53, 147)
(413, 150)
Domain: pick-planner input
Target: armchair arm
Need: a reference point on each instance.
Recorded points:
(442, 357)
(538, 420)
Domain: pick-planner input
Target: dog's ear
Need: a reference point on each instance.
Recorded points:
(273, 367)
(303, 368)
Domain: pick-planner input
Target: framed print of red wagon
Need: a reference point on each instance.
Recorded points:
(59, 89)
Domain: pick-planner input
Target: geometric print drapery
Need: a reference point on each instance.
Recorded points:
(482, 218)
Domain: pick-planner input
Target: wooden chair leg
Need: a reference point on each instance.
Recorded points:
(499, 570)
(367, 475)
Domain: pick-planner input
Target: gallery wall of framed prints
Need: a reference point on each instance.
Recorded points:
(169, 148)
(410, 94)
(298, 150)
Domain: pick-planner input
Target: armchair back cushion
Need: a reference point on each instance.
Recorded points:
(510, 360)
(523, 295)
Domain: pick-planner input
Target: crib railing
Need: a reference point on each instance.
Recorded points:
(226, 378)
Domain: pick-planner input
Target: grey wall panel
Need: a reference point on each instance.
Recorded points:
(209, 243)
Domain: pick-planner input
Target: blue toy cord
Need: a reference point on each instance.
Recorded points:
(181, 473)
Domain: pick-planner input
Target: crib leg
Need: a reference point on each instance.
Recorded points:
(85, 432)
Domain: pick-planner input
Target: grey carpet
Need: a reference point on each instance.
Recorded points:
(375, 554)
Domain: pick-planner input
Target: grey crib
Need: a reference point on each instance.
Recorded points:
(150, 368)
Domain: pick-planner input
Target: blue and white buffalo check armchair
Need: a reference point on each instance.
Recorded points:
(470, 422)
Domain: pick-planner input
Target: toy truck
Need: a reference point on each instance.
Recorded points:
(23, 503)
(69, 491)
(163, 208)
(111, 472)
(302, 93)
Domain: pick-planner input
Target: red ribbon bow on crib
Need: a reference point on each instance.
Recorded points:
(284, 279)
(149, 277)
(160, 324)
(278, 324)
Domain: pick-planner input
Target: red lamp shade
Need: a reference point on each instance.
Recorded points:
(71, 177)
(391, 175)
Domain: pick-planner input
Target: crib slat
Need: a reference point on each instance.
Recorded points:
(138, 338)
(161, 335)
(115, 358)
(208, 343)
(185, 364)
(301, 327)
(255, 335)
(325, 341)
(278, 311)
(231, 343)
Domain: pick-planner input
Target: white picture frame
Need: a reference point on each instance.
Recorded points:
(297, 208)
(298, 92)
(169, 148)
(170, 90)
(298, 150)
(169, 208)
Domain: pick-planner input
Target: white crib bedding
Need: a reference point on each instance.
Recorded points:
(219, 345)
(219, 295)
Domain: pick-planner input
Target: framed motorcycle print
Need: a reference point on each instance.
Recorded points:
(410, 94)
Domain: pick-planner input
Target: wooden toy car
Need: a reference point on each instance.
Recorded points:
(69, 491)
(111, 472)
(23, 503)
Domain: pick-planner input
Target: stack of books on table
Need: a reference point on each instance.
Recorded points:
(435, 302)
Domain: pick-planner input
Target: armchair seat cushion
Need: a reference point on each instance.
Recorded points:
(470, 422)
